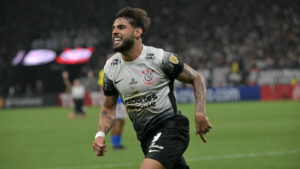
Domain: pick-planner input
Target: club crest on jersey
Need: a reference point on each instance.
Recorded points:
(148, 77)
(173, 59)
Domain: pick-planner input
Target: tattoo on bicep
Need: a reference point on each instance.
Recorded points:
(187, 76)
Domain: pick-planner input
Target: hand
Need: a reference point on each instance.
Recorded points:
(202, 125)
(99, 146)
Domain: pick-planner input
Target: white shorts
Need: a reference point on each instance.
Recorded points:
(120, 111)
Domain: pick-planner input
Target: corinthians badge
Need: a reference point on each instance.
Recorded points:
(148, 77)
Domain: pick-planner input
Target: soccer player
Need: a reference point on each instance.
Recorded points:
(143, 76)
(118, 125)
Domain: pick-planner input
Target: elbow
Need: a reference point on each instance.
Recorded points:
(200, 79)
(198, 76)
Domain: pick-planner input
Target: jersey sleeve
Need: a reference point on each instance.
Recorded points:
(172, 66)
(109, 87)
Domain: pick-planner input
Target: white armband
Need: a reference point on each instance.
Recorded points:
(100, 134)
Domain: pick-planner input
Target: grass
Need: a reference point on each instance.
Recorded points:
(260, 135)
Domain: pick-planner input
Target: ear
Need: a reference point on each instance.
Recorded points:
(138, 32)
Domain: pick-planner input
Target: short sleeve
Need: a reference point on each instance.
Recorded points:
(109, 87)
(172, 66)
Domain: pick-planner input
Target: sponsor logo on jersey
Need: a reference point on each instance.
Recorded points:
(149, 78)
(138, 103)
(150, 56)
(173, 59)
(133, 81)
(115, 62)
(143, 99)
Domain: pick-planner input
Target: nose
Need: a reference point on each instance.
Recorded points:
(115, 31)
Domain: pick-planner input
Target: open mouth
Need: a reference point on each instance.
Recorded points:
(117, 41)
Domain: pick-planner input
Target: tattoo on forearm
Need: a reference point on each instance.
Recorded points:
(108, 121)
(107, 128)
(200, 94)
(107, 117)
(189, 75)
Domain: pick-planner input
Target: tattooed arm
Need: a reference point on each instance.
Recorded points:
(106, 120)
(189, 75)
(107, 113)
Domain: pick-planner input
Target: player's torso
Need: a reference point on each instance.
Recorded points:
(142, 84)
(137, 78)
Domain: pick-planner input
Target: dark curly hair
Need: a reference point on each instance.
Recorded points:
(137, 17)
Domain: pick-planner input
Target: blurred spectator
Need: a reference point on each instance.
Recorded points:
(294, 81)
(235, 77)
(90, 81)
(265, 32)
(253, 74)
(78, 93)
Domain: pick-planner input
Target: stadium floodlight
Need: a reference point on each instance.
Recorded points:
(18, 58)
(75, 56)
(38, 57)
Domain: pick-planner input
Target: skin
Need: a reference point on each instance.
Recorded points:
(122, 29)
(118, 125)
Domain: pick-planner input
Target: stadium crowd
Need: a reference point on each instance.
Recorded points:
(228, 41)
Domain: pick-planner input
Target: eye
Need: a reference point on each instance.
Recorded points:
(121, 26)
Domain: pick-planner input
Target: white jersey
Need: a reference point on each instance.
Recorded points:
(145, 86)
(78, 92)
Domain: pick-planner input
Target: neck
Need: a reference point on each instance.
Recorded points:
(134, 52)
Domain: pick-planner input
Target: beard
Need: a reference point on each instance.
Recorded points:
(126, 45)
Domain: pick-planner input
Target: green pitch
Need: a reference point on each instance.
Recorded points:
(245, 135)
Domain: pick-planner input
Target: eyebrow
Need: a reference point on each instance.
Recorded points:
(119, 25)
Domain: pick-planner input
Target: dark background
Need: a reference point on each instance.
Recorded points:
(206, 34)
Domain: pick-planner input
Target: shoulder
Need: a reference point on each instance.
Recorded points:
(112, 63)
(153, 49)
(172, 65)
(153, 54)
(170, 58)
(161, 54)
